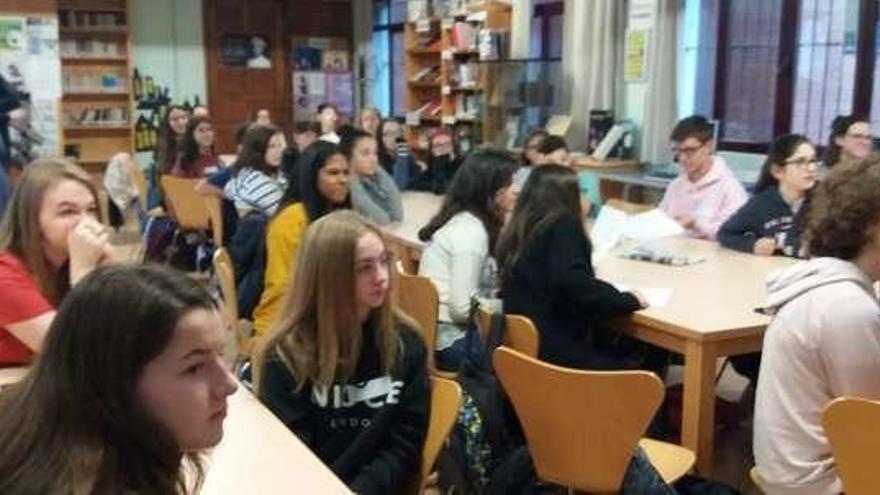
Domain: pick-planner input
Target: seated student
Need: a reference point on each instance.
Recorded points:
(460, 240)
(201, 111)
(551, 150)
(768, 223)
(369, 120)
(197, 157)
(49, 240)
(171, 131)
(304, 134)
(256, 184)
(373, 192)
(824, 339)
(130, 389)
(443, 162)
(263, 117)
(530, 154)
(322, 187)
(343, 368)
(850, 140)
(706, 193)
(545, 270)
(328, 119)
(395, 156)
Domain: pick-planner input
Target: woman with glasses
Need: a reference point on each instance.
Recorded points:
(850, 140)
(768, 223)
(706, 193)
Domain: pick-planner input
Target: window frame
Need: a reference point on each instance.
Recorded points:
(391, 28)
(786, 67)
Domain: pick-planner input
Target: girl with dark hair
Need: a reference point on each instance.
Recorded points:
(546, 274)
(321, 187)
(373, 192)
(460, 240)
(197, 157)
(443, 162)
(531, 146)
(50, 238)
(343, 368)
(129, 389)
(257, 183)
(769, 222)
(554, 150)
(850, 140)
(545, 149)
(395, 156)
(171, 132)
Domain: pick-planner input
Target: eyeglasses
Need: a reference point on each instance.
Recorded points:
(686, 150)
(859, 136)
(803, 162)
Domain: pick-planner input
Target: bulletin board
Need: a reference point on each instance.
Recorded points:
(322, 72)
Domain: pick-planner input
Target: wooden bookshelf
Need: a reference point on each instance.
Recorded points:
(96, 66)
(479, 125)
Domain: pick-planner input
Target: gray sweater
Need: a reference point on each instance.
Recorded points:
(377, 197)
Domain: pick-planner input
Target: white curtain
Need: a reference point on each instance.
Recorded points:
(362, 17)
(661, 94)
(520, 28)
(592, 36)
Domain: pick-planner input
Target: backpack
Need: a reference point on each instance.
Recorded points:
(486, 452)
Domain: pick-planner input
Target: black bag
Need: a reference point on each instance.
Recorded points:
(486, 451)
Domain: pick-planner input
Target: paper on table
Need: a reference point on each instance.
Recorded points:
(657, 297)
(651, 224)
(607, 229)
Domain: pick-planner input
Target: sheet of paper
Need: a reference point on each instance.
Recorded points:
(651, 224)
(657, 297)
(608, 229)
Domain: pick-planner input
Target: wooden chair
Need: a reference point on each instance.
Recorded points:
(226, 277)
(628, 206)
(582, 427)
(851, 426)
(191, 210)
(520, 333)
(417, 297)
(404, 257)
(445, 402)
(757, 480)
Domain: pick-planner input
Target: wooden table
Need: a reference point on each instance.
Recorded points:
(609, 189)
(710, 314)
(258, 454)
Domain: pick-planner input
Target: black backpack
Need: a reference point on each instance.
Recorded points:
(486, 452)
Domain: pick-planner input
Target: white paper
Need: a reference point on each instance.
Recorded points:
(656, 297)
(652, 224)
(607, 229)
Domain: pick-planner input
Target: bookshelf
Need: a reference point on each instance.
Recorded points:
(449, 82)
(96, 102)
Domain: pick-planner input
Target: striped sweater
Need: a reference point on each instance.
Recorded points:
(251, 189)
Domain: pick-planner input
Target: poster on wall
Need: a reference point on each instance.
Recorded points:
(246, 50)
(322, 73)
(635, 67)
(29, 62)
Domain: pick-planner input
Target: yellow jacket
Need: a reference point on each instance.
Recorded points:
(282, 243)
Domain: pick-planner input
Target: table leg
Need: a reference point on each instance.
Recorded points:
(698, 405)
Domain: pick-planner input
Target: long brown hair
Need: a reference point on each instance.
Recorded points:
(75, 424)
(168, 143)
(253, 149)
(319, 336)
(550, 193)
(20, 232)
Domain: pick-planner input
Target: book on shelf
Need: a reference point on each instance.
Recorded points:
(426, 75)
(464, 75)
(463, 37)
(468, 106)
(431, 108)
(427, 41)
(492, 44)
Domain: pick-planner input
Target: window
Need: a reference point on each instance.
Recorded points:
(768, 67)
(388, 56)
(546, 33)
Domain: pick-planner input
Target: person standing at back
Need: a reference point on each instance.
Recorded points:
(706, 193)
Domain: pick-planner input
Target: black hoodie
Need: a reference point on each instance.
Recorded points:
(370, 431)
(766, 214)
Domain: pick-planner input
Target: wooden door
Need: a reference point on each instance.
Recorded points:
(236, 91)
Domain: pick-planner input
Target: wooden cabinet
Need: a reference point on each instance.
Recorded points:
(96, 61)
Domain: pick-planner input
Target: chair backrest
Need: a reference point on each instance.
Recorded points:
(404, 256)
(226, 277)
(445, 402)
(520, 333)
(628, 206)
(581, 427)
(851, 426)
(191, 209)
(417, 296)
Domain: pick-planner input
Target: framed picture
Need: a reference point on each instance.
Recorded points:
(246, 50)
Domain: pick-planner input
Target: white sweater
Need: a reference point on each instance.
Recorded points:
(455, 260)
(823, 343)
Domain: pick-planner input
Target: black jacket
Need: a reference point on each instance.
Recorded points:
(553, 283)
(8, 102)
(766, 214)
(371, 430)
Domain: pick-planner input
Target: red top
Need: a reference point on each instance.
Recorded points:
(198, 170)
(20, 300)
